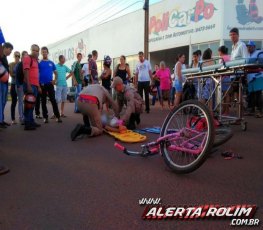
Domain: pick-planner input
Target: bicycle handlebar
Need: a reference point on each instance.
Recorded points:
(124, 150)
(118, 146)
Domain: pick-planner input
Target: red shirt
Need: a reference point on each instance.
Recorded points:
(33, 70)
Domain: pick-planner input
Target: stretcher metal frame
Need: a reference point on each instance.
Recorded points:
(238, 71)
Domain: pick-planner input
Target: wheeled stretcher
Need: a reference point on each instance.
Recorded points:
(237, 71)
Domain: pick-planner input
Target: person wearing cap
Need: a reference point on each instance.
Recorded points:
(255, 83)
(90, 104)
(130, 103)
(239, 49)
(85, 71)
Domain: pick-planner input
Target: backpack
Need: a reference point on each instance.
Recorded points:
(189, 91)
(199, 123)
(20, 71)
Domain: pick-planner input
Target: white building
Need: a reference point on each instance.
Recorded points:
(180, 26)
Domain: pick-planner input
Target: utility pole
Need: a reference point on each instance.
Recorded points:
(146, 28)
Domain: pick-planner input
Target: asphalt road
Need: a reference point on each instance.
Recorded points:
(55, 183)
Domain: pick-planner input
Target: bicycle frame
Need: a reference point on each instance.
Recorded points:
(152, 148)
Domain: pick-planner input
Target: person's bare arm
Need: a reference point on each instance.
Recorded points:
(70, 75)
(128, 72)
(150, 74)
(136, 80)
(56, 77)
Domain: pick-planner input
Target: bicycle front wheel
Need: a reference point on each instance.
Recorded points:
(188, 136)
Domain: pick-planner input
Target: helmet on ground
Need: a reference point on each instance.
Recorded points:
(3, 74)
(29, 100)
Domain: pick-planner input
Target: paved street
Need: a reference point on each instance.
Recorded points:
(55, 183)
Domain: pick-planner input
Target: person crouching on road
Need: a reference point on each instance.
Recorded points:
(129, 101)
(90, 104)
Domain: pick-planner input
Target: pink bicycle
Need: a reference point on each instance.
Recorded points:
(187, 137)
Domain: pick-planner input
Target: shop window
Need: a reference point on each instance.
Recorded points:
(213, 46)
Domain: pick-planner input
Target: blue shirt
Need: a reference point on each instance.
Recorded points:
(46, 69)
(62, 70)
(254, 56)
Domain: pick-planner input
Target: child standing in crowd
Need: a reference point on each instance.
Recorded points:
(164, 75)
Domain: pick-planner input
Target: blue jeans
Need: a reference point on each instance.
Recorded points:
(158, 94)
(78, 89)
(172, 93)
(20, 95)
(28, 113)
(3, 99)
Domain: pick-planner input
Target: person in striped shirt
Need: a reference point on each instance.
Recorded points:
(61, 83)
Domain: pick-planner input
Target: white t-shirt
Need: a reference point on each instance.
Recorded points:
(86, 69)
(239, 50)
(142, 69)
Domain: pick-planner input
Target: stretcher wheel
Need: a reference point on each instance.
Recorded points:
(222, 135)
(244, 126)
(188, 151)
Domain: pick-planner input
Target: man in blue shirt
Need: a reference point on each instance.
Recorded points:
(255, 83)
(46, 70)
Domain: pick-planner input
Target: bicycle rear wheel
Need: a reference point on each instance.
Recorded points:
(190, 135)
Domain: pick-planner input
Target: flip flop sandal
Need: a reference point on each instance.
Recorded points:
(228, 155)
(258, 115)
(153, 130)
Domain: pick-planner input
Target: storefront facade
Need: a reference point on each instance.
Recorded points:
(181, 26)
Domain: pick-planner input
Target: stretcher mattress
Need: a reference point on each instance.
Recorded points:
(245, 64)
(128, 136)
